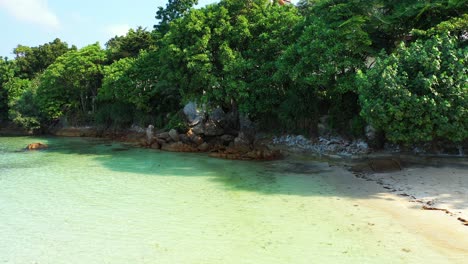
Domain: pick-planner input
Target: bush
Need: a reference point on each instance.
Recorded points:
(419, 93)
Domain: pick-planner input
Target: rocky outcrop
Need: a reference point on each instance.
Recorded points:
(36, 146)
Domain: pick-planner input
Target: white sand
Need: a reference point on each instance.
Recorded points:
(447, 187)
(434, 187)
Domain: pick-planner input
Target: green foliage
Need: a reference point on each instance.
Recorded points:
(225, 54)
(115, 115)
(7, 72)
(33, 60)
(23, 110)
(177, 121)
(129, 45)
(135, 82)
(69, 86)
(174, 9)
(323, 61)
(420, 92)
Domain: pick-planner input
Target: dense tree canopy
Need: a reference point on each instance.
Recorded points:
(289, 68)
(69, 86)
(130, 45)
(33, 60)
(419, 93)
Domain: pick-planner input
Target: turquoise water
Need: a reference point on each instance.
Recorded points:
(94, 201)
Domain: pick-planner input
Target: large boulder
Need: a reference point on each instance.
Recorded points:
(174, 135)
(212, 128)
(36, 146)
(218, 115)
(193, 114)
(164, 136)
(247, 130)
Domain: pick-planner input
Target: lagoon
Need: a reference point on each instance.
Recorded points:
(97, 201)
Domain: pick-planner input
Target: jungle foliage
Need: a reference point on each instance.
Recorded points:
(397, 65)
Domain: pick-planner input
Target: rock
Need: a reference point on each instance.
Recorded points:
(246, 130)
(174, 135)
(165, 136)
(36, 146)
(198, 129)
(212, 128)
(149, 133)
(242, 140)
(76, 132)
(184, 138)
(155, 145)
(193, 114)
(370, 132)
(204, 147)
(178, 147)
(161, 141)
(247, 154)
(227, 138)
(137, 129)
(375, 138)
(196, 139)
(218, 115)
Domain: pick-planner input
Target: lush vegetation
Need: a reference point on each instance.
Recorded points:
(400, 66)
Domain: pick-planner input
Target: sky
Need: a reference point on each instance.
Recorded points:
(83, 22)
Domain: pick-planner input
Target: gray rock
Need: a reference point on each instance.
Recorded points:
(174, 135)
(196, 139)
(149, 133)
(184, 138)
(191, 112)
(218, 115)
(370, 132)
(247, 130)
(165, 136)
(204, 147)
(194, 114)
(227, 138)
(213, 129)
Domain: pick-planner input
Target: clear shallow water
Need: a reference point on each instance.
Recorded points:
(93, 201)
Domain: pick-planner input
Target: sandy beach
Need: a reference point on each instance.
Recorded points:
(429, 196)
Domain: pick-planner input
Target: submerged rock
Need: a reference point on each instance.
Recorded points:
(178, 147)
(36, 146)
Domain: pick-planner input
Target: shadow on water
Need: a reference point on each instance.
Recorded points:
(303, 177)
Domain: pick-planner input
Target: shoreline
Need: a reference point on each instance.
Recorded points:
(436, 183)
(391, 191)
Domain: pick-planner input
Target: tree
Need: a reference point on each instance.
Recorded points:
(23, 110)
(33, 60)
(174, 9)
(130, 45)
(69, 86)
(7, 72)
(322, 63)
(132, 85)
(224, 54)
(419, 93)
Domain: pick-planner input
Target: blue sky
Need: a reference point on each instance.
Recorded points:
(35, 22)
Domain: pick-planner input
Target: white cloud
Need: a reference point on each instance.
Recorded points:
(117, 30)
(31, 11)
